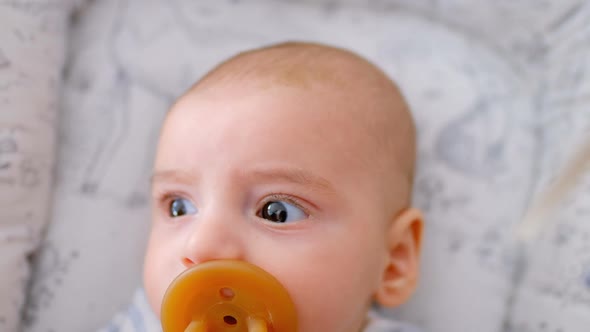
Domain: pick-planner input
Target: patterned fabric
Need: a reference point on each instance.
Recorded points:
(552, 291)
(129, 59)
(32, 35)
(499, 90)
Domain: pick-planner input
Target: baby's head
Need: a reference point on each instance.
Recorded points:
(297, 158)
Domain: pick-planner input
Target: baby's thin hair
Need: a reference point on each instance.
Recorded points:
(299, 64)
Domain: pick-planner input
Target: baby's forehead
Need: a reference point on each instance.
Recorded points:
(366, 121)
(341, 84)
(299, 98)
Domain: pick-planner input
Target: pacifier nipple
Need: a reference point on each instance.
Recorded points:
(226, 295)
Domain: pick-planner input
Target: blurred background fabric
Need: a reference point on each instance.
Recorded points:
(500, 91)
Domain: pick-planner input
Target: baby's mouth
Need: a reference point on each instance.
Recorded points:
(227, 295)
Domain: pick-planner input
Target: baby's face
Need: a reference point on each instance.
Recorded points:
(277, 178)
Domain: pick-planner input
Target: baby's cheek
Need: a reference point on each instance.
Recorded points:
(330, 309)
(159, 272)
(152, 285)
(326, 294)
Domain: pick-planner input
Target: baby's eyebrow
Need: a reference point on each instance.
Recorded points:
(172, 176)
(293, 175)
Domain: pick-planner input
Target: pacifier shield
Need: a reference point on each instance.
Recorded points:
(227, 295)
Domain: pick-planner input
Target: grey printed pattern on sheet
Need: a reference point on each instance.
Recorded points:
(31, 57)
(499, 107)
(553, 293)
(119, 86)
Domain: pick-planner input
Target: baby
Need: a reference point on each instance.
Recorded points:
(298, 158)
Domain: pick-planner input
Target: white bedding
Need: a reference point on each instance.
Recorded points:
(499, 90)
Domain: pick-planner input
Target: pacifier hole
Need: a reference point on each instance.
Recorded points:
(226, 293)
(230, 320)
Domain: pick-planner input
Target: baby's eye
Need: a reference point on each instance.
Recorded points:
(181, 206)
(281, 211)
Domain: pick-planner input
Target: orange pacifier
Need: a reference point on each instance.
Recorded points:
(227, 295)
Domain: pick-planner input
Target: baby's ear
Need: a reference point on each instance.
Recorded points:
(400, 275)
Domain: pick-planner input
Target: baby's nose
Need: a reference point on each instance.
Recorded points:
(214, 238)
